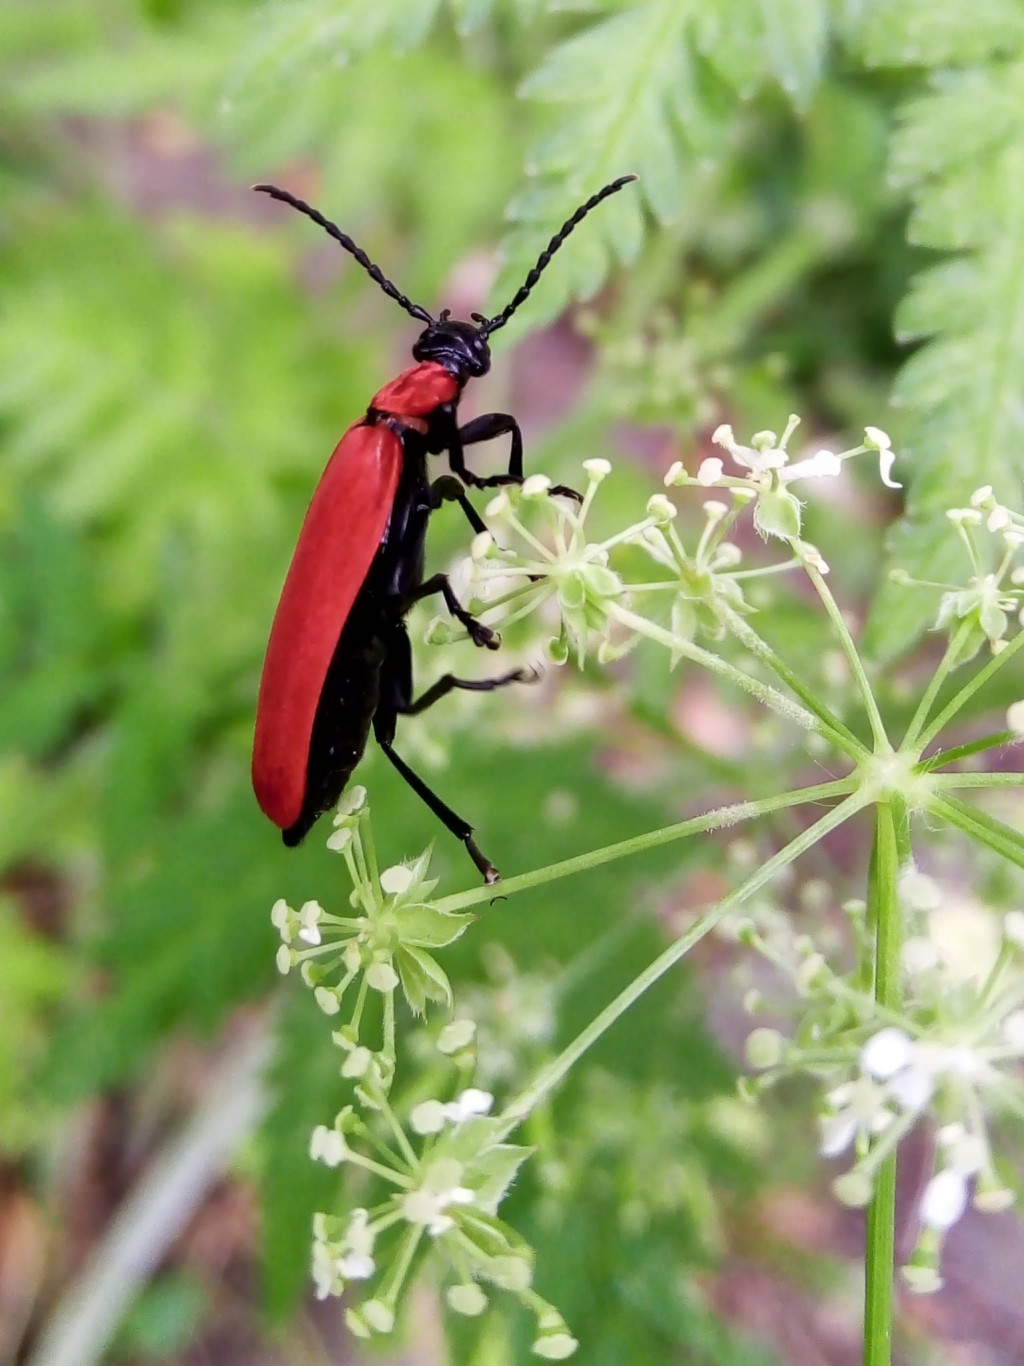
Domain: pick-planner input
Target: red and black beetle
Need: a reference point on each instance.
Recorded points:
(338, 659)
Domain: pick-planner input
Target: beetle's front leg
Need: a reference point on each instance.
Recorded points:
(447, 489)
(486, 428)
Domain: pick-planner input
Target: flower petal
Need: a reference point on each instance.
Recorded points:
(821, 465)
(944, 1199)
(885, 464)
(886, 1052)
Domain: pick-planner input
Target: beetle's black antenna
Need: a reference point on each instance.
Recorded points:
(544, 259)
(332, 229)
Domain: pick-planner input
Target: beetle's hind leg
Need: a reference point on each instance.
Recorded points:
(450, 819)
(396, 700)
(448, 683)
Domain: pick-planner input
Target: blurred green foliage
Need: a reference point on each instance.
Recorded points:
(177, 360)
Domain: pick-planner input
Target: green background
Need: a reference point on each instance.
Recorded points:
(830, 217)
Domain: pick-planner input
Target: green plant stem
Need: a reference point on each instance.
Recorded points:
(720, 817)
(550, 1076)
(763, 692)
(967, 751)
(946, 664)
(969, 689)
(837, 731)
(949, 781)
(850, 650)
(980, 826)
(881, 1224)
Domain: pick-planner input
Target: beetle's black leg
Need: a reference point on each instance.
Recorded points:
(447, 489)
(448, 683)
(395, 698)
(444, 814)
(486, 428)
(479, 634)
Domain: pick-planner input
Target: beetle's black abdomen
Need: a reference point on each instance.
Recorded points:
(344, 713)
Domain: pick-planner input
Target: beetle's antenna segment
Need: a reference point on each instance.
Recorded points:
(375, 273)
(544, 259)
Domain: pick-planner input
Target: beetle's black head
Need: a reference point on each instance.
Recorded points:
(460, 347)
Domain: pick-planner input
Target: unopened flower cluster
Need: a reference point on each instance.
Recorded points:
(950, 1057)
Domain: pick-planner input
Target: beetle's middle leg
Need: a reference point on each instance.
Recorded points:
(479, 634)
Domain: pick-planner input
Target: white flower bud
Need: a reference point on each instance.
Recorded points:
(852, 1189)
(378, 1315)
(662, 508)
(428, 1117)
(763, 1048)
(327, 1146)
(357, 1064)
(327, 1000)
(536, 486)
(1015, 718)
(469, 1299)
(468, 1104)
(396, 880)
(455, 1036)
(597, 469)
(554, 1346)
(309, 921)
(710, 471)
(381, 977)
(481, 545)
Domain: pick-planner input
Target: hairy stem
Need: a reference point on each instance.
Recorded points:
(850, 650)
(881, 1225)
(717, 819)
(550, 1076)
(969, 689)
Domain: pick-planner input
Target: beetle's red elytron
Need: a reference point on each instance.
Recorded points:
(338, 660)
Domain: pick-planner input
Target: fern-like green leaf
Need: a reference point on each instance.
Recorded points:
(958, 151)
(652, 88)
(291, 40)
(937, 33)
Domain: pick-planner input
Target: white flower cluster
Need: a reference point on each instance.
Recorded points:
(992, 535)
(766, 472)
(443, 1172)
(448, 1173)
(557, 568)
(951, 1056)
(388, 944)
